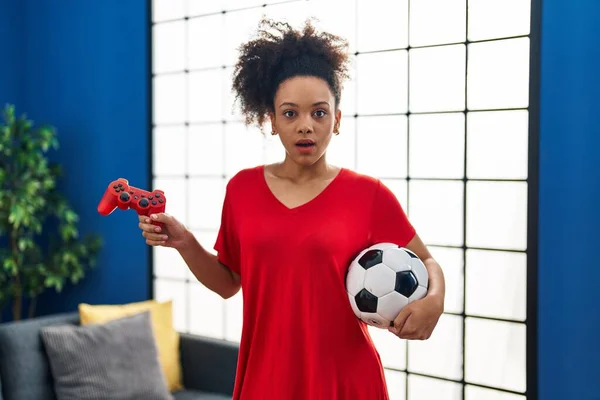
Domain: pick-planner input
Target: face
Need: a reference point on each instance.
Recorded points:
(305, 118)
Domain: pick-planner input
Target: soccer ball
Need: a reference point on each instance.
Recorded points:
(382, 280)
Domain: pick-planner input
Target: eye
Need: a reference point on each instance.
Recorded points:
(289, 113)
(320, 113)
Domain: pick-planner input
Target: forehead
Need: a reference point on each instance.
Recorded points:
(303, 89)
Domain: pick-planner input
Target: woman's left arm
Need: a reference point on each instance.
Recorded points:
(418, 319)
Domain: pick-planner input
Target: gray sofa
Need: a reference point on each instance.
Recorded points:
(208, 364)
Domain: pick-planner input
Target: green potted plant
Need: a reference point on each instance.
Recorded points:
(40, 245)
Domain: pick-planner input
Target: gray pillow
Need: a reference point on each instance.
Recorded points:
(112, 360)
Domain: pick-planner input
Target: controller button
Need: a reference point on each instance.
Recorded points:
(120, 185)
(131, 192)
(143, 195)
(157, 195)
(117, 190)
(150, 197)
(154, 202)
(161, 201)
(115, 186)
(136, 197)
(124, 196)
(144, 202)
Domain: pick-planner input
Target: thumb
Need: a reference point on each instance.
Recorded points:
(401, 319)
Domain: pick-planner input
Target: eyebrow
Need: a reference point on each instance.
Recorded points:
(318, 103)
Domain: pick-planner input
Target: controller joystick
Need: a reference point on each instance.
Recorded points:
(119, 194)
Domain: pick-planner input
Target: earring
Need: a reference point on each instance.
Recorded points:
(273, 133)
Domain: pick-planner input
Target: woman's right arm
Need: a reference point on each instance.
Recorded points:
(204, 265)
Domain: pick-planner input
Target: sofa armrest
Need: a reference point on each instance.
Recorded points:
(208, 364)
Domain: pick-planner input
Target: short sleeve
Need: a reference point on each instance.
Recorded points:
(227, 244)
(389, 222)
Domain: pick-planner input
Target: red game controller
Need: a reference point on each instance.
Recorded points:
(120, 195)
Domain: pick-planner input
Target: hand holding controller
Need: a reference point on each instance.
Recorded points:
(119, 194)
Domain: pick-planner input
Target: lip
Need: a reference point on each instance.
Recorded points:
(305, 141)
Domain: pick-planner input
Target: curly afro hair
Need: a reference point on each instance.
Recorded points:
(281, 52)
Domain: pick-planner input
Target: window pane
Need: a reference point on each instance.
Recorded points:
(399, 188)
(168, 263)
(205, 47)
(392, 349)
(437, 22)
(293, 12)
(206, 312)
(169, 99)
(381, 84)
(396, 384)
(477, 393)
(496, 284)
(206, 195)
(176, 193)
(489, 19)
(206, 96)
(165, 290)
(234, 317)
(205, 149)
(382, 146)
(243, 147)
(168, 41)
(382, 30)
(163, 10)
(421, 388)
(497, 215)
(274, 150)
(437, 145)
(342, 148)
(499, 74)
(168, 150)
(437, 79)
(440, 355)
(436, 211)
(498, 144)
(348, 97)
(239, 28)
(327, 13)
(500, 365)
(452, 263)
(195, 8)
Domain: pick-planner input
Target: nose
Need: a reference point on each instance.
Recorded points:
(305, 126)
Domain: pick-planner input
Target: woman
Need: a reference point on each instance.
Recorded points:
(289, 231)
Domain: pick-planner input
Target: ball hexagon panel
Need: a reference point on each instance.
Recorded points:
(370, 258)
(390, 305)
(410, 253)
(397, 259)
(375, 319)
(355, 279)
(380, 280)
(366, 302)
(353, 305)
(419, 293)
(406, 283)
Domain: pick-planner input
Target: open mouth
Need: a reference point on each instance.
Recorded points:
(305, 143)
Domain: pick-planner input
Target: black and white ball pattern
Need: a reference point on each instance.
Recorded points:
(382, 280)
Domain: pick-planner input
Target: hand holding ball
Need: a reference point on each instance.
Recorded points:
(382, 280)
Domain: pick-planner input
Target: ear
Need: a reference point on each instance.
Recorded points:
(272, 118)
(338, 120)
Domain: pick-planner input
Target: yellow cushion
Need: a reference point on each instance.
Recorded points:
(167, 338)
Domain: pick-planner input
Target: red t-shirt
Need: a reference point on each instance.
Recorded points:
(300, 338)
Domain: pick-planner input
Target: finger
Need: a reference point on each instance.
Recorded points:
(401, 319)
(149, 227)
(155, 236)
(156, 242)
(161, 217)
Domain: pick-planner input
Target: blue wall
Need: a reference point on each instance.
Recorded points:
(569, 272)
(82, 67)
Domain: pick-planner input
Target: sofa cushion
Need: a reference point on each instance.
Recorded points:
(199, 395)
(114, 360)
(23, 363)
(165, 334)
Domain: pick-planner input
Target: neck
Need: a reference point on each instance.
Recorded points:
(299, 173)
